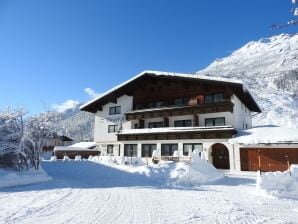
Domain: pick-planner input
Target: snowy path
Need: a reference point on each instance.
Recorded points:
(85, 192)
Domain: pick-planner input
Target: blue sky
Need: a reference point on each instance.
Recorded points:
(51, 50)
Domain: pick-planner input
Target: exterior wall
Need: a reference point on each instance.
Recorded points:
(103, 120)
(242, 115)
(207, 147)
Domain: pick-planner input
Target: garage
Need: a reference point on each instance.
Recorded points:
(271, 159)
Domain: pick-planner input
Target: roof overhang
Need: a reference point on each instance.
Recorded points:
(126, 88)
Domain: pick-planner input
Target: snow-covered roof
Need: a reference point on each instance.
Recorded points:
(85, 145)
(65, 148)
(170, 74)
(175, 129)
(266, 134)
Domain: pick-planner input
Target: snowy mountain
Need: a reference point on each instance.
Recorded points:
(77, 124)
(269, 68)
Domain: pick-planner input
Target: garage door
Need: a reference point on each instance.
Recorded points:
(272, 159)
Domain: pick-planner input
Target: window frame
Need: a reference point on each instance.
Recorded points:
(114, 110)
(185, 153)
(183, 123)
(108, 150)
(213, 98)
(152, 147)
(115, 128)
(213, 121)
(172, 149)
(133, 150)
(155, 124)
(184, 101)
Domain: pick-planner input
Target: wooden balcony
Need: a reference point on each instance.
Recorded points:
(172, 133)
(226, 106)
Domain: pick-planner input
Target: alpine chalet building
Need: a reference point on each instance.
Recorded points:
(173, 114)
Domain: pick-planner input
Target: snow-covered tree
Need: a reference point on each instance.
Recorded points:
(38, 130)
(11, 133)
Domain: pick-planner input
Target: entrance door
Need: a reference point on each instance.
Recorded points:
(220, 155)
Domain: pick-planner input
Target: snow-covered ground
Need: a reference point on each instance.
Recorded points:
(14, 178)
(89, 192)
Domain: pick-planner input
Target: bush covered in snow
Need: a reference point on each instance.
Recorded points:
(118, 160)
(280, 184)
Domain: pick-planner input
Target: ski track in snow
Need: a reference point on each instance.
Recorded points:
(85, 192)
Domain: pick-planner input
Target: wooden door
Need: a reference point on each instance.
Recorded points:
(220, 155)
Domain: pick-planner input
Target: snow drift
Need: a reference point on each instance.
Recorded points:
(197, 173)
(14, 178)
(280, 184)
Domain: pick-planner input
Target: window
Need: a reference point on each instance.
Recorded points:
(156, 125)
(168, 149)
(219, 121)
(157, 104)
(218, 97)
(183, 123)
(152, 105)
(190, 147)
(138, 106)
(112, 128)
(115, 110)
(131, 150)
(182, 101)
(110, 149)
(214, 98)
(147, 150)
(208, 98)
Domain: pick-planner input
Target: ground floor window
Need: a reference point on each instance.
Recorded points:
(131, 150)
(147, 150)
(190, 147)
(168, 149)
(110, 149)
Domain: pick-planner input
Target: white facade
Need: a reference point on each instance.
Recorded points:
(240, 118)
(103, 119)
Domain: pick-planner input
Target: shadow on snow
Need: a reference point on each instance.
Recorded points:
(86, 174)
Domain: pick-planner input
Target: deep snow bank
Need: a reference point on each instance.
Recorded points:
(280, 184)
(197, 173)
(14, 178)
(169, 173)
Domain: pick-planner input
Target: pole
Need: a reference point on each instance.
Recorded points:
(288, 163)
(259, 159)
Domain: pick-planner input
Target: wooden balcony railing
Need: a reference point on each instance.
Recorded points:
(195, 134)
(226, 106)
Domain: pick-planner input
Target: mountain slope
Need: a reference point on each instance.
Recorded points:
(77, 124)
(269, 68)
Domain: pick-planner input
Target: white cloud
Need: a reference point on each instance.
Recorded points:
(91, 92)
(68, 104)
